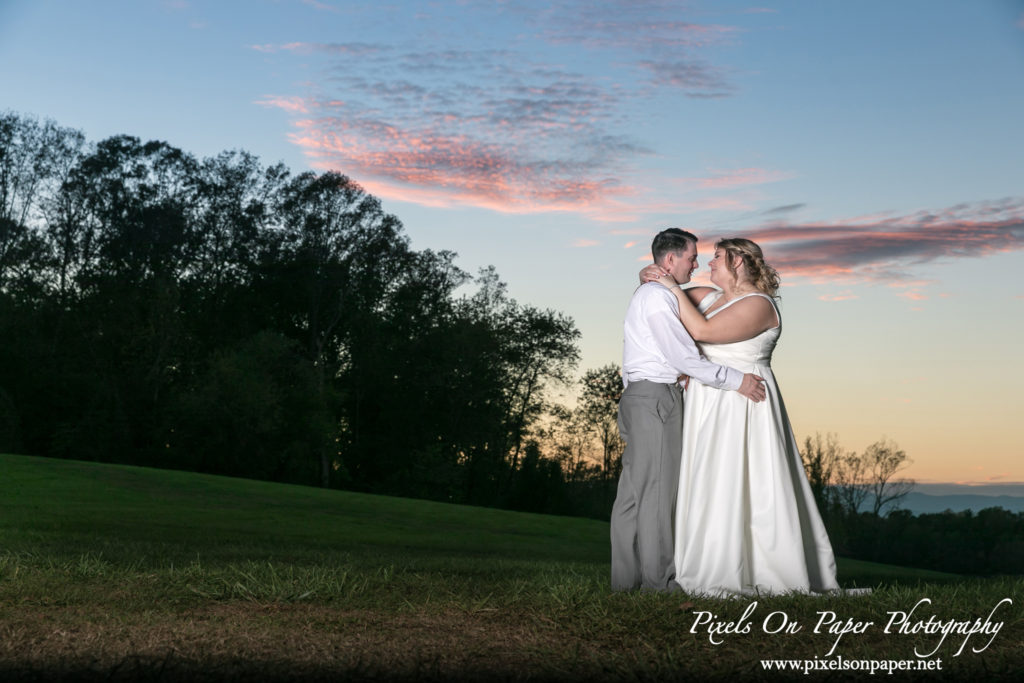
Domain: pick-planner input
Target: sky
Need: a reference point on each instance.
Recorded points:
(874, 149)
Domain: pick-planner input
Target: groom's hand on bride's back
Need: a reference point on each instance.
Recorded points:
(752, 387)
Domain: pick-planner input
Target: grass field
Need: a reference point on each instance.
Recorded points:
(123, 573)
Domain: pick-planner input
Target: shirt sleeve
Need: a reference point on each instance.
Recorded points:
(681, 351)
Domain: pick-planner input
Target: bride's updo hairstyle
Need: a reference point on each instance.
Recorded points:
(762, 275)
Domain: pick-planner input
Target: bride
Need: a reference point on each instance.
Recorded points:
(746, 521)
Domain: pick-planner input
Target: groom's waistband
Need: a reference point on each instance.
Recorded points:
(630, 379)
(649, 386)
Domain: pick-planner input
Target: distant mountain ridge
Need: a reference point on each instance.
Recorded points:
(1010, 488)
(933, 498)
(919, 503)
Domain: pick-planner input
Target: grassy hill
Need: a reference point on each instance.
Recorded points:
(169, 514)
(122, 573)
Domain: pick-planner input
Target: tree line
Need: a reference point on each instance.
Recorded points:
(230, 317)
(859, 496)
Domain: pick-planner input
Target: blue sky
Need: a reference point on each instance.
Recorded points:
(873, 148)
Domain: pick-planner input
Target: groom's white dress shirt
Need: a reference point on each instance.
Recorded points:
(658, 348)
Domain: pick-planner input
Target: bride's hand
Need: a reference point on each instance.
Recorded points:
(654, 273)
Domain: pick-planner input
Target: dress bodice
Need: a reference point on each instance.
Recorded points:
(757, 350)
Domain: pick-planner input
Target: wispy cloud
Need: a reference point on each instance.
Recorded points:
(778, 210)
(355, 49)
(585, 243)
(452, 167)
(912, 290)
(889, 250)
(842, 296)
(540, 143)
(649, 35)
(694, 78)
(719, 178)
(627, 25)
(290, 104)
(512, 129)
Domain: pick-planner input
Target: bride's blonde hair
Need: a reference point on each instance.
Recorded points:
(762, 275)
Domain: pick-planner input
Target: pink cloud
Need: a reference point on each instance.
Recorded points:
(497, 127)
(629, 245)
(911, 289)
(888, 250)
(842, 296)
(292, 104)
(457, 195)
(585, 243)
(441, 163)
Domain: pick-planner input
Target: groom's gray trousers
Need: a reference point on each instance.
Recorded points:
(651, 423)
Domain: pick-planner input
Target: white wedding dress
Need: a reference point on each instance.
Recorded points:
(746, 520)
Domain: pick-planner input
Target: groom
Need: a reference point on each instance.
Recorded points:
(656, 351)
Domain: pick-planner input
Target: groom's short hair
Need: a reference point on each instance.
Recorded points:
(671, 240)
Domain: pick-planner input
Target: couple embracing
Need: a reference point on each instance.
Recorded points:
(712, 498)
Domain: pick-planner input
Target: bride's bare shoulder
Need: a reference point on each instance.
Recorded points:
(760, 308)
(697, 294)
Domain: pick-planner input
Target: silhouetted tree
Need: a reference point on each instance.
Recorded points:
(823, 458)
(601, 389)
(884, 459)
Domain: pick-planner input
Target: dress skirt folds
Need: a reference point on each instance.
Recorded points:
(746, 521)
